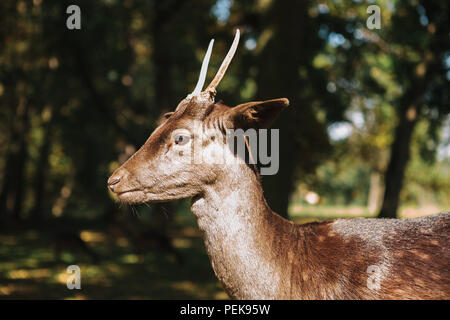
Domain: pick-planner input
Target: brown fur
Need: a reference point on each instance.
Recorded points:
(255, 253)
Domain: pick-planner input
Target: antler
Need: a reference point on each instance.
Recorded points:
(211, 89)
(226, 62)
(203, 70)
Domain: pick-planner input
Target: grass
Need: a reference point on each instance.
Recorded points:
(301, 212)
(30, 269)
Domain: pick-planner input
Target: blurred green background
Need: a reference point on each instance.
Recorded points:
(367, 132)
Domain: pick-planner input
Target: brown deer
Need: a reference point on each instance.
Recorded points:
(257, 254)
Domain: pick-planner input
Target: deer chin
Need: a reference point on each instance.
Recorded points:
(132, 196)
(136, 196)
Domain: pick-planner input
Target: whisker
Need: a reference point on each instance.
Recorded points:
(133, 210)
(165, 211)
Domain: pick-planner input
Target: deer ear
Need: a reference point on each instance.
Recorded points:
(257, 114)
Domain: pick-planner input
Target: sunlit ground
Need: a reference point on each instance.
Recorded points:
(29, 269)
(301, 212)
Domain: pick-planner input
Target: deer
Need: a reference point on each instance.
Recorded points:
(254, 252)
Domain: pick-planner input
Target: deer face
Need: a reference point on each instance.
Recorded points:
(189, 149)
(162, 169)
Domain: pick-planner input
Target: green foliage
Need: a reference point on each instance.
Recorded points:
(428, 180)
(74, 105)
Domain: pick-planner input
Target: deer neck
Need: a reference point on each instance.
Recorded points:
(240, 234)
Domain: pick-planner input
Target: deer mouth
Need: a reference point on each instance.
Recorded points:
(119, 194)
(131, 196)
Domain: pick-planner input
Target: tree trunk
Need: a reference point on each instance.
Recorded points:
(375, 192)
(12, 195)
(20, 172)
(5, 195)
(41, 174)
(278, 77)
(302, 137)
(400, 154)
(410, 109)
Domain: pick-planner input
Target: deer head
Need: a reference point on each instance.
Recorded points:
(182, 155)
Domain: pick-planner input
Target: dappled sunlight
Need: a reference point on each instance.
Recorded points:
(415, 212)
(8, 240)
(130, 258)
(29, 268)
(322, 212)
(182, 243)
(63, 277)
(302, 213)
(94, 135)
(19, 290)
(90, 236)
(325, 210)
(77, 297)
(29, 274)
(202, 292)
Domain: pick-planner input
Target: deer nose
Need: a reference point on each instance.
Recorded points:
(113, 181)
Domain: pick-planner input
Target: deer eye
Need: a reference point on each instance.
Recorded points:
(181, 139)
